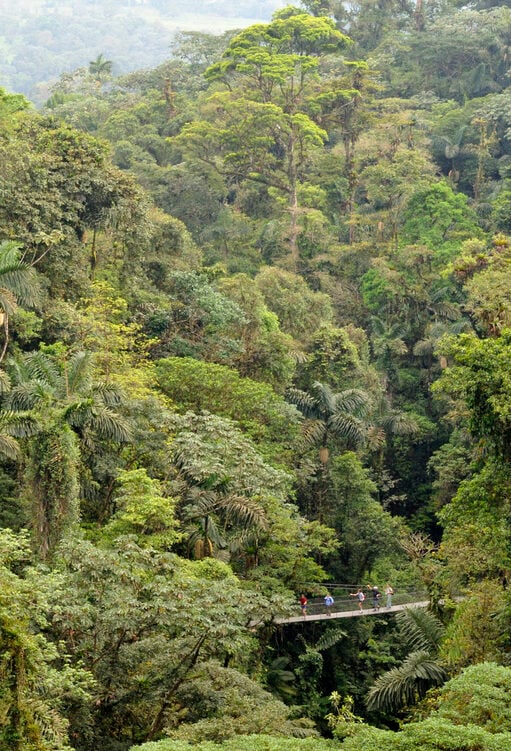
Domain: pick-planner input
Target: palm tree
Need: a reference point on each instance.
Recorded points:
(18, 284)
(331, 416)
(73, 412)
(100, 67)
(13, 425)
(420, 671)
(221, 520)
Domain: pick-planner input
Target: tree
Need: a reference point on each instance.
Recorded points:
(37, 683)
(301, 310)
(141, 510)
(268, 353)
(476, 524)
(100, 68)
(228, 485)
(197, 320)
(223, 480)
(194, 386)
(155, 630)
(259, 742)
(18, 285)
(344, 109)
(352, 509)
(260, 129)
(478, 376)
(57, 185)
(330, 416)
(404, 685)
(73, 412)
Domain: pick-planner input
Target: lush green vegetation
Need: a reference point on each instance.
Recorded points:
(255, 338)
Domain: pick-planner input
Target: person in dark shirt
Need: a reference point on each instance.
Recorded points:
(375, 596)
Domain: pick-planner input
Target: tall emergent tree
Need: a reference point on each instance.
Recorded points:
(260, 128)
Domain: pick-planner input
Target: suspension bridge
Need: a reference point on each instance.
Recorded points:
(347, 607)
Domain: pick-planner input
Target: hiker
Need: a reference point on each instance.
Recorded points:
(375, 595)
(329, 601)
(389, 592)
(360, 597)
(303, 604)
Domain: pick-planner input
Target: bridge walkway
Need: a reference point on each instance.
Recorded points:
(352, 613)
(347, 607)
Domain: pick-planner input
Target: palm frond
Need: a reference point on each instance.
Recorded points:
(424, 348)
(110, 425)
(401, 423)
(10, 254)
(421, 629)
(324, 397)
(314, 433)
(79, 413)
(403, 685)
(9, 446)
(5, 382)
(43, 368)
(349, 427)
(7, 301)
(79, 372)
(329, 638)
(22, 282)
(25, 396)
(18, 424)
(305, 402)
(447, 310)
(243, 512)
(350, 400)
(206, 528)
(202, 505)
(109, 393)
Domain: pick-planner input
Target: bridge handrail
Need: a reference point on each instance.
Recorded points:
(343, 603)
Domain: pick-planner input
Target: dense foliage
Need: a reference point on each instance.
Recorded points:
(255, 337)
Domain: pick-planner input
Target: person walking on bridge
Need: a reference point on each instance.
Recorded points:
(303, 604)
(360, 597)
(329, 601)
(389, 592)
(376, 595)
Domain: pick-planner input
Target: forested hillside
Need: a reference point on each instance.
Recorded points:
(255, 343)
(42, 39)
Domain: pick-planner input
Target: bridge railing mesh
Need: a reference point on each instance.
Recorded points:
(344, 603)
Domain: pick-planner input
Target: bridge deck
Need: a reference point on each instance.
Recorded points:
(354, 613)
(346, 607)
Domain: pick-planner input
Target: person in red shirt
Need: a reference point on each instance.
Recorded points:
(303, 605)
